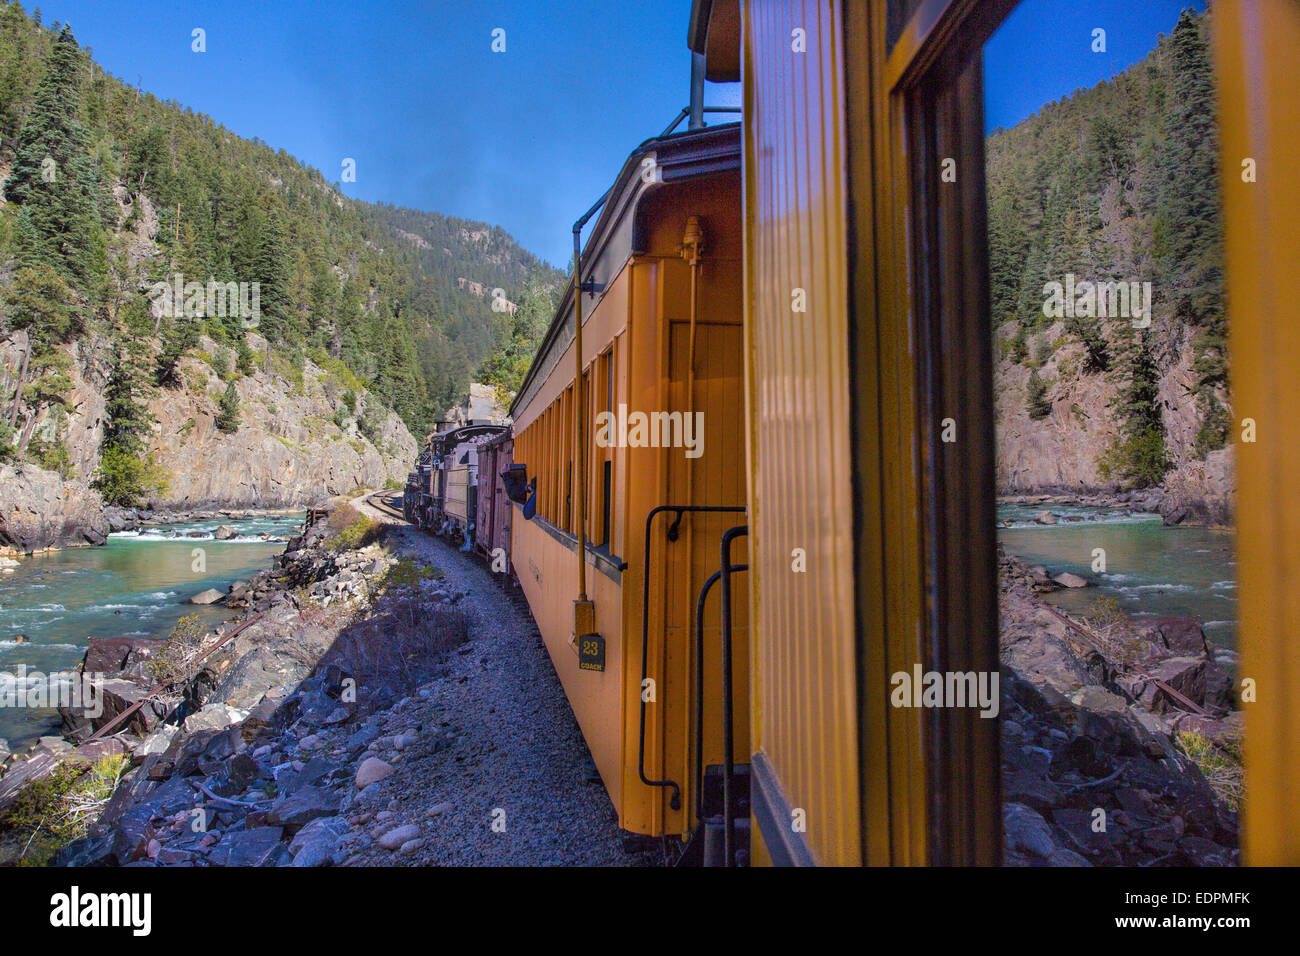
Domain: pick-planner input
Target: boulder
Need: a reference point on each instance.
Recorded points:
(318, 842)
(39, 510)
(109, 655)
(303, 806)
(209, 596)
(1066, 579)
(246, 847)
(1025, 830)
(1181, 635)
(1173, 514)
(225, 533)
(1184, 674)
(115, 695)
(213, 717)
(1045, 517)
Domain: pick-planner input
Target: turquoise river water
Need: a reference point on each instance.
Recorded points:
(1151, 570)
(133, 586)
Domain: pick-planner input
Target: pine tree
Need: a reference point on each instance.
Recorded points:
(127, 417)
(221, 363)
(1036, 400)
(1139, 454)
(53, 179)
(179, 335)
(228, 412)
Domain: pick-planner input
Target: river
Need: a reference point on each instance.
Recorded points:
(1151, 570)
(133, 586)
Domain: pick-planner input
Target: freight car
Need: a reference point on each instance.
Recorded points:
(495, 514)
(441, 494)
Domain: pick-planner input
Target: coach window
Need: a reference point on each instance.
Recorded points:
(1063, 179)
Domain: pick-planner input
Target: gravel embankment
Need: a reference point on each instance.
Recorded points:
(497, 772)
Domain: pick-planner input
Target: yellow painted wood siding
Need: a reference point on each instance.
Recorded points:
(1254, 46)
(805, 699)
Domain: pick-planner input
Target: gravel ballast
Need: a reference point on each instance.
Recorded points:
(492, 768)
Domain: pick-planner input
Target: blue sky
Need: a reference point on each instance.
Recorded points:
(412, 91)
(528, 138)
(1043, 50)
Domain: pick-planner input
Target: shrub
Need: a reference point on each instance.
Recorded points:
(53, 812)
(350, 530)
(1140, 458)
(1105, 611)
(405, 573)
(1219, 762)
(53, 456)
(170, 661)
(124, 478)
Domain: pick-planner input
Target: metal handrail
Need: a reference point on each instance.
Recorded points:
(686, 111)
(676, 800)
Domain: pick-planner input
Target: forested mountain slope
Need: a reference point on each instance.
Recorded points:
(1116, 183)
(361, 329)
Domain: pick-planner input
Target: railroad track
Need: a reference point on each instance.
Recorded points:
(384, 502)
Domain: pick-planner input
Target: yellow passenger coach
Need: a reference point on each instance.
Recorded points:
(828, 337)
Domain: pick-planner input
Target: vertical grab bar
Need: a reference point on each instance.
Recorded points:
(676, 800)
(728, 729)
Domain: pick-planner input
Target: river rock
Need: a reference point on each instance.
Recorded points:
(1182, 635)
(224, 533)
(1045, 517)
(209, 596)
(394, 838)
(372, 770)
(121, 519)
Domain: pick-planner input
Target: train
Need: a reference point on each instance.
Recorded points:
(726, 491)
(452, 490)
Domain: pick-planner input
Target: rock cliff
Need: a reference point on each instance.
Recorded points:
(1060, 452)
(297, 443)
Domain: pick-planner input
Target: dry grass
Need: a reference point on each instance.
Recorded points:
(1219, 762)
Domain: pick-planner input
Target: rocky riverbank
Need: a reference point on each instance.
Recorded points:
(1180, 501)
(333, 724)
(1108, 733)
